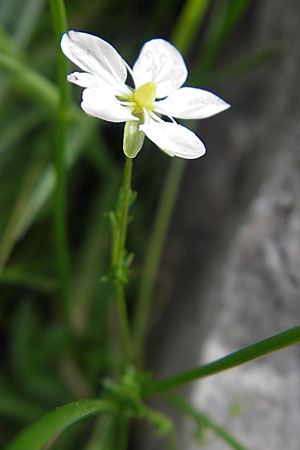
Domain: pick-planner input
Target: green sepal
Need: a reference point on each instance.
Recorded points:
(133, 138)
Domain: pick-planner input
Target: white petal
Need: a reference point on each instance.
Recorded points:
(191, 103)
(174, 139)
(102, 103)
(84, 79)
(160, 62)
(94, 55)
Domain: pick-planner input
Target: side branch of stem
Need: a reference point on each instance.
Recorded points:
(118, 259)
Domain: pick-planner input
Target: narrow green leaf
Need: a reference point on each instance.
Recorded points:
(190, 19)
(27, 21)
(244, 65)
(6, 9)
(35, 84)
(37, 435)
(31, 201)
(153, 256)
(86, 281)
(17, 276)
(30, 363)
(14, 130)
(60, 210)
(10, 233)
(224, 19)
(246, 354)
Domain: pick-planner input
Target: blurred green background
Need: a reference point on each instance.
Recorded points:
(53, 353)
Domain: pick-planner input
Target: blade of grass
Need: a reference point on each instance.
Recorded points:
(153, 256)
(37, 435)
(34, 197)
(30, 353)
(11, 233)
(245, 65)
(224, 19)
(62, 253)
(13, 131)
(28, 19)
(6, 9)
(190, 19)
(24, 19)
(32, 82)
(91, 258)
(246, 354)
(18, 277)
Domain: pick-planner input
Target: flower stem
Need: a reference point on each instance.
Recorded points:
(124, 323)
(153, 256)
(124, 209)
(118, 259)
(123, 429)
(60, 204)
(246, 354)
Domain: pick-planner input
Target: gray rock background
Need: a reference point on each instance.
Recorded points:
(232, 266)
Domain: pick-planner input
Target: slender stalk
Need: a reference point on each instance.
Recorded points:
(123, 429)
(124, 209)
(118, 256)
(246, 354)
(202, 419)
(104, 434)
(124, 323)
(153, 256)
(60, 204)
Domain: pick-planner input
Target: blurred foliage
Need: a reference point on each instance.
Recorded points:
(50, 358)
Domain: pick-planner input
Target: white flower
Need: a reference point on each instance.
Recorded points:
(158, 74)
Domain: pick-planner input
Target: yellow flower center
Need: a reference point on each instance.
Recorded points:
(144, 95)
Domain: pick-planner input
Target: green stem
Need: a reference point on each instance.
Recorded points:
(246, 354)
(202, 419)
(124, 323)
(123, 429)
(118, 263)
(104, 434)
(124, 209)
(153, 256)
(60, 210)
